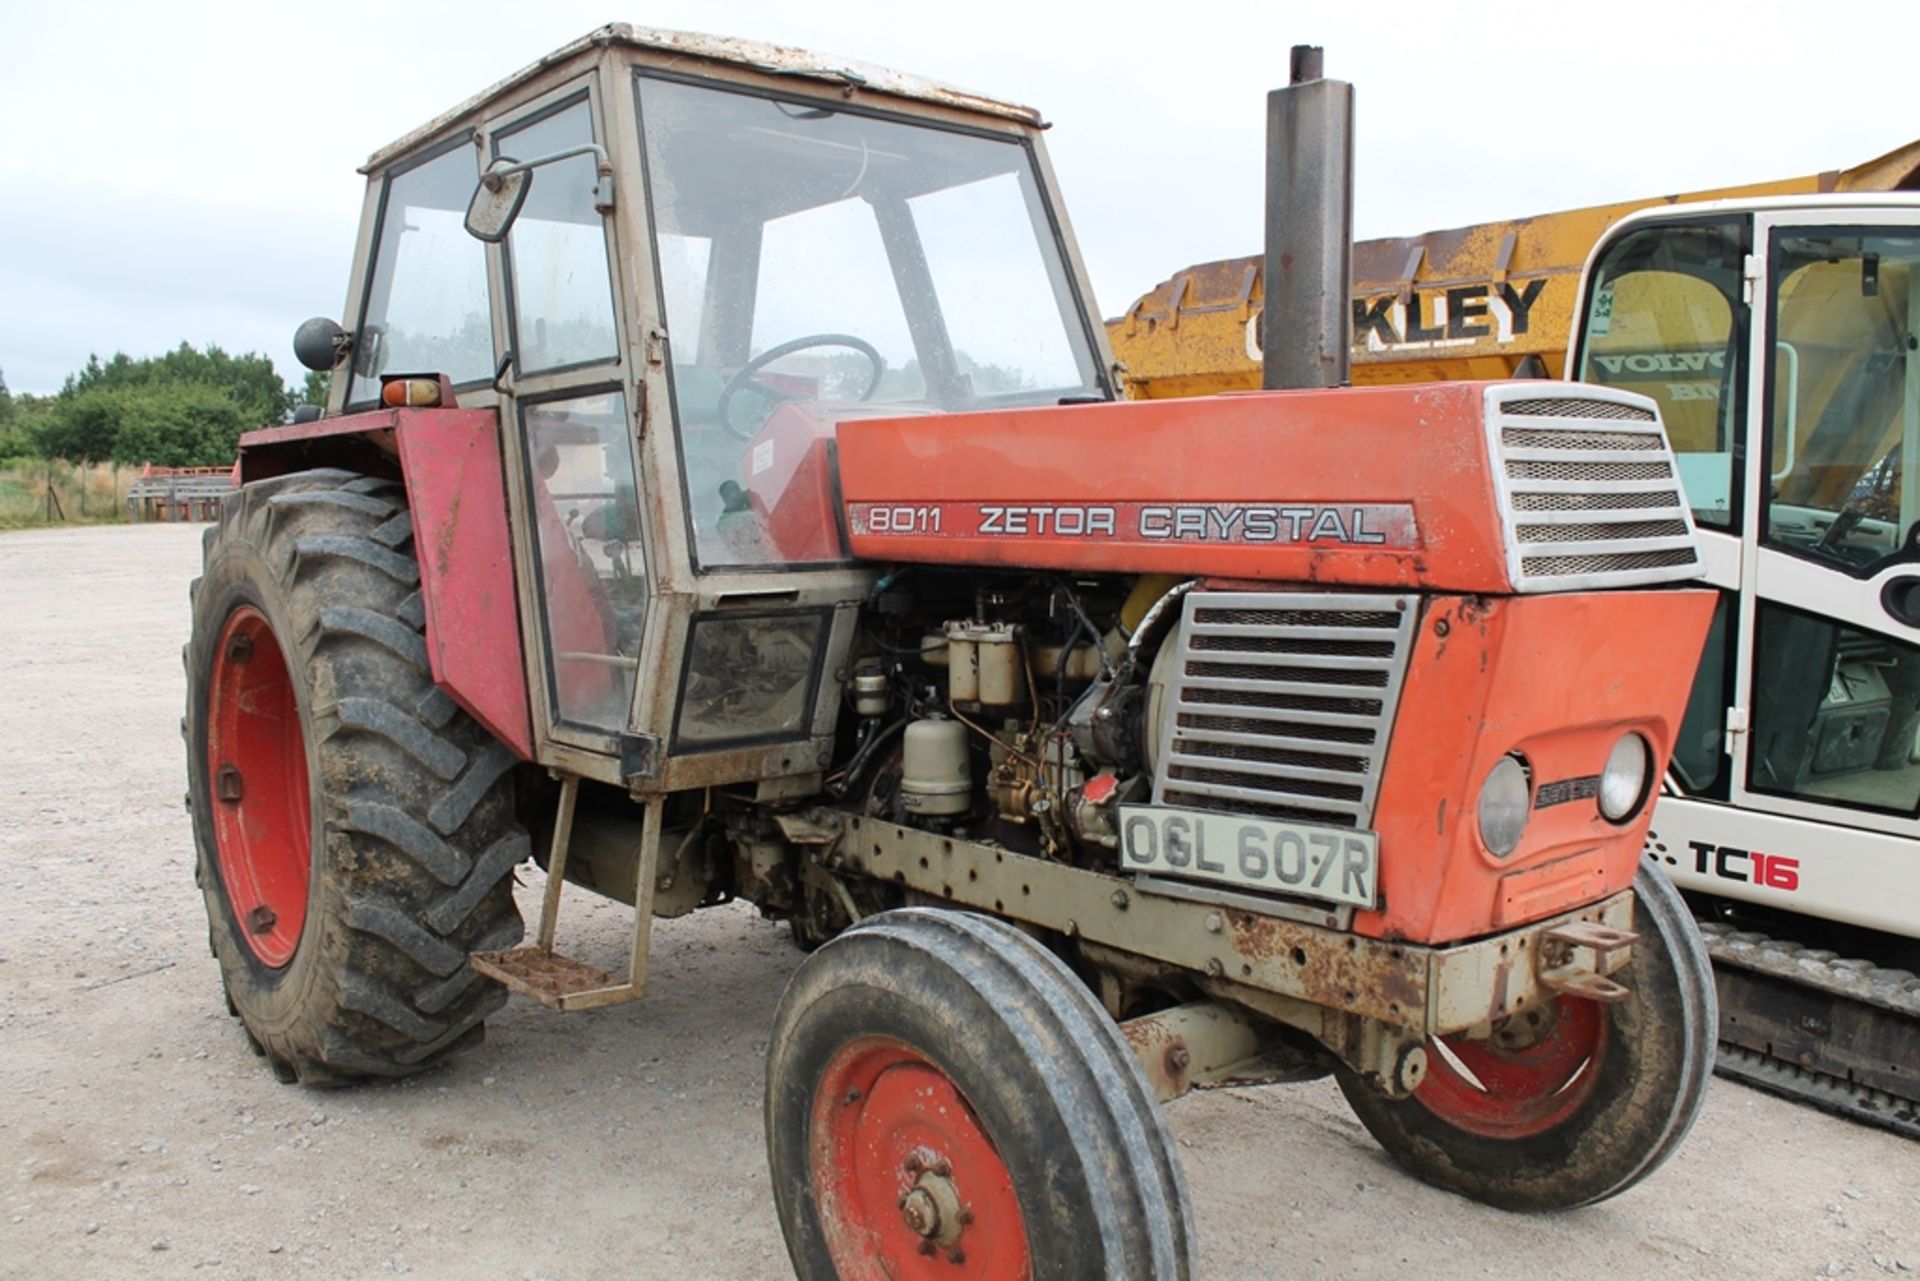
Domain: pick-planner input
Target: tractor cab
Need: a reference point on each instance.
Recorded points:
(673, 264)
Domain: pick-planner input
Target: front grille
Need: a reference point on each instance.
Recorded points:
(1280, 703)
(1589, 493)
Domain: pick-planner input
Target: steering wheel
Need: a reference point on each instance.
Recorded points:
(745, 374)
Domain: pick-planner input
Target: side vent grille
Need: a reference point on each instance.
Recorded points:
(1281, 703)
(1589, 495)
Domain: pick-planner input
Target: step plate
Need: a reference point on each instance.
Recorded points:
(556, 981)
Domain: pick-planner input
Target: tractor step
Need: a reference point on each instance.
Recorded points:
(557, 982)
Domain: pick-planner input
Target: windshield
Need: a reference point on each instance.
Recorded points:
(1844, 394)
(818, 264)
(1663, 320)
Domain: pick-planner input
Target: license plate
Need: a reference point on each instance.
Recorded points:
(1337, 864)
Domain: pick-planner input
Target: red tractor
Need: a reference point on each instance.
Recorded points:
(722, 496)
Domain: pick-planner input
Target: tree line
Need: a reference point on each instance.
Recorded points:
(186, 408)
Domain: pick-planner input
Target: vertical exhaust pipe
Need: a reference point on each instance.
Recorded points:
(1306, 318)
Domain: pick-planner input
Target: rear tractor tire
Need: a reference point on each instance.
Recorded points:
(946, 1102)
(355, 829)
(1570, 1105)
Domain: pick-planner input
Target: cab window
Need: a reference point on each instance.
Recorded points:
(1836, 713)
(557, 250)
(1664, 319)
(426, 306)
(820, 263)
(1844, 396)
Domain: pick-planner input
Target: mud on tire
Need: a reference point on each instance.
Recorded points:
(413, 836)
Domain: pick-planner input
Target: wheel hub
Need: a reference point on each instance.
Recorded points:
(1534, 1073)
(257, 773)
(909, 1184)
(932, 1208)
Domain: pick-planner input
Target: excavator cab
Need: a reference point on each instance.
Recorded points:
(1781, 339)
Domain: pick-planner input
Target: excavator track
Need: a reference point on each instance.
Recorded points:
(1842, 1035)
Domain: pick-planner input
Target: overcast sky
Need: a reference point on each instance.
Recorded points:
(186, 170)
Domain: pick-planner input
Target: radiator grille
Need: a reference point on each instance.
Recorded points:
(1589, 495)
(1280, 704)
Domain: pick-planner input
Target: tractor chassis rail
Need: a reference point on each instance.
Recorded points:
(1373, 1000)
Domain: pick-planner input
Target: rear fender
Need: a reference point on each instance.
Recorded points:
(450, 462)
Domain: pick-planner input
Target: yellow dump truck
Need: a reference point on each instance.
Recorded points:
(1489, 301)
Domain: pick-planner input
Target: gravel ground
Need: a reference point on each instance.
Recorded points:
(139, 1137)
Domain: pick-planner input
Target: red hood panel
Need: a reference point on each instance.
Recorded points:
(1375, 486)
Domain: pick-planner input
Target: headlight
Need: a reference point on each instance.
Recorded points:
(1623, 783)
(1504, 801)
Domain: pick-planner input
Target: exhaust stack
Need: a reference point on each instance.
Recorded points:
(1306, 317)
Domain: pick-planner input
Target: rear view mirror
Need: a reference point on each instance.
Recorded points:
(503, 190)
(497, 200)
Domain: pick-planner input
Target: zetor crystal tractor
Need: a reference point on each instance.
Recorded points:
(722, 496)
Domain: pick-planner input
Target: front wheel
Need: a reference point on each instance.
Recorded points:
(1572, 1103)
(946, 1101)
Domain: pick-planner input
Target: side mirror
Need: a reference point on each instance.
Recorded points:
(497, 200)
(320, 343)
(504, 186)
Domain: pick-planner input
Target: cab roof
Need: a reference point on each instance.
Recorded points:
(778, 60)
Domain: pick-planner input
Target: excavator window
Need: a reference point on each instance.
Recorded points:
(1663, 319)
(1836, 713)
(1844, 396)
(819, 262)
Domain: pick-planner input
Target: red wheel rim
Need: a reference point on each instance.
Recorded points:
(1505, 1092)
(257, 785)
(908, 1185)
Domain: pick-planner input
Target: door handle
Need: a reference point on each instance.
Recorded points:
(1900, 597)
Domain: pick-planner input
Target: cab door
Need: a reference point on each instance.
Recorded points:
(1830, 675)
(570, 403)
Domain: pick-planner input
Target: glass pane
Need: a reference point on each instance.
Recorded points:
(789, 305)
(426, 306)
(1699, 751)
(1662, 321)
(1007, 325)
(820, 264)
(1844, 396)
(593, 579)
(1835, 713)
(749, 678)
(562, 293)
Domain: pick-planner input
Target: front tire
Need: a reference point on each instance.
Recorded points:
(1580, 1106)
(355, 829)
(945, 1100)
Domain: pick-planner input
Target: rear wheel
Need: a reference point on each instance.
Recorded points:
(355, 829)
(1571, 1104)
(945, 1100)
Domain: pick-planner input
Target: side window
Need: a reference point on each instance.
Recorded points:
(593, 580)
(1663, 320)
(557, 251)
(1835, 713)
(426, 304)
